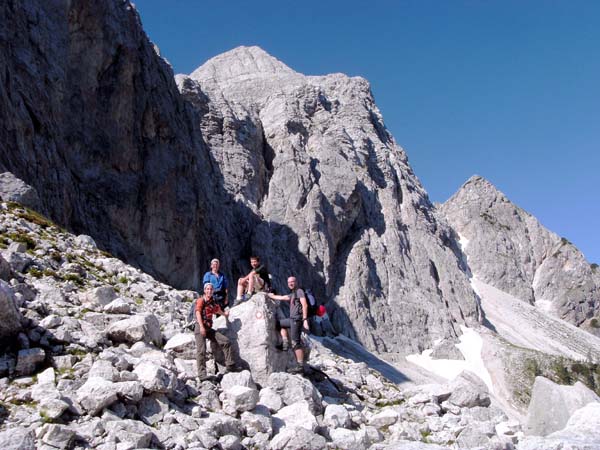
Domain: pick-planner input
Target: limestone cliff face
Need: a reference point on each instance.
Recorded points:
(509, 249)
(91, 117)
(328, 195)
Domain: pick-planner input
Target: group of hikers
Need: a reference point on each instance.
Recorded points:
(215, 301)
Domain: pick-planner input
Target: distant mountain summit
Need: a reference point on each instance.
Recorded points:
(508, 248)
(239, 62)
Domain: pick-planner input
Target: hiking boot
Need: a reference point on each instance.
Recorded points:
(284, 346)
(297, 369)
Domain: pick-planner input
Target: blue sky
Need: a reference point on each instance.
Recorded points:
(509, 90)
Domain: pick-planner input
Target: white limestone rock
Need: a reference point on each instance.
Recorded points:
(293, 388)
(99, 297)
(118, 306)
(153, 408)
(552, 405)
(57, 436)
(336, 416)
(348, 439)
(141, 327)
(10, 325)
(104, 369)
(257, 421)
(271, 399)
(468, 390)
(243, 378)
(256, 339)
(96, 394)
(239, 399)
(28, 360)
(13, 189)
(297, 438)
(132, 432)
(295, 415)
(183, 345)
(155, 378)
(18, 438)
(384, 418)
(582, 432)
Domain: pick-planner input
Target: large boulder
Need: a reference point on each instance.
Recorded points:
(294, 388)
(5, 270)
(251, 329)
(141, 327)
(552, 405)
(18, 438)
(13, 189)
(10, 324)
(582, 432)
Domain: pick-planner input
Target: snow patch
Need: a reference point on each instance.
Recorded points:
(463, 241)
(470, 346)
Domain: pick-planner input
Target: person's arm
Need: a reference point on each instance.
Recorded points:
(304, 304)
(284, 298)
(199, 306)
(221, 312)
(225, 286)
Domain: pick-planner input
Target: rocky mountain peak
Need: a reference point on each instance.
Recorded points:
(241, 62)
(480, 189)
(510, 249)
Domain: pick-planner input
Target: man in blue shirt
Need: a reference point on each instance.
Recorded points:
(219, 282)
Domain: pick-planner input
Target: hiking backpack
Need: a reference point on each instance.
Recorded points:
(191, 317)
(312, 303)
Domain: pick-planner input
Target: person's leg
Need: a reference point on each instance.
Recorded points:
(295, 330)
(251, 282)
(200, 353)
(223, 342)
(283, 325)
(240, 288)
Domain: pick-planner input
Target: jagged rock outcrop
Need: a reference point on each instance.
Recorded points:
(91, 118)
(329, 196)
(13, 189)
(508, 248)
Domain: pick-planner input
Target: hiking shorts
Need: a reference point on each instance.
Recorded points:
(295, 327)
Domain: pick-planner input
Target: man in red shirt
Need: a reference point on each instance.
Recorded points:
(206, 307)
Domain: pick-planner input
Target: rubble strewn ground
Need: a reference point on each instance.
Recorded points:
(102, 361)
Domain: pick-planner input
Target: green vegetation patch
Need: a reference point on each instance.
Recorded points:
(24, 238)
(34, 217)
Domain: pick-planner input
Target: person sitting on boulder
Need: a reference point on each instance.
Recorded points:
(257, 280)
(219, 282)
(206, 307)
(297, 320)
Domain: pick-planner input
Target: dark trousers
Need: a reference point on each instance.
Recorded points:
(218, 339)
(295, 327)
